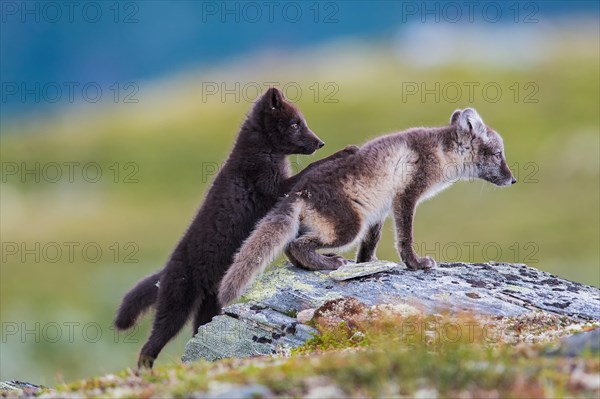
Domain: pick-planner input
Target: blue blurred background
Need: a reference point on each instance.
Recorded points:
(150, 94)
(106, 42)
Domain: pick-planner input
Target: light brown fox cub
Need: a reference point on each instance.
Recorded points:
(345, 202)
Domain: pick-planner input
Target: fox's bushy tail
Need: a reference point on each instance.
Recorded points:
(266, 242)
(136, 301)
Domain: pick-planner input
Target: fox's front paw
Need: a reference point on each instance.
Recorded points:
(425, 262)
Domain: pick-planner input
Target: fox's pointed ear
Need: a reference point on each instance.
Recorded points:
(454, 117)
(273, 98)
(470, 121)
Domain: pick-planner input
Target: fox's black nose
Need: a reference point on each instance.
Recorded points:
(321, 144)
(513, 181)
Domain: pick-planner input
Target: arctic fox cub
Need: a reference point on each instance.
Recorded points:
(345, 202)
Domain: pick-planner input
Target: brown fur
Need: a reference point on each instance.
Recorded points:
(255, 175)
(345, 202)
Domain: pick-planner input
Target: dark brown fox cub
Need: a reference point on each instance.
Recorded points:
(251, 181)
(345, 202)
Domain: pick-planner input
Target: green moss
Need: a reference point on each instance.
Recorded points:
(291, 313)
(267, 285)
(369, 368)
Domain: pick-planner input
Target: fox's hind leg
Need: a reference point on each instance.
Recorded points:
(208, 309)
(303, 253)
(292, 258)
(174, 305)
(304, 248)
(297, 263)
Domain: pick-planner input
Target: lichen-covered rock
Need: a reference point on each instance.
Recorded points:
(246, 330)
(346, 309)
(578, 344)
(18, 387)
(265, 322)
(354, 270)
(305, 316)
(386, 310)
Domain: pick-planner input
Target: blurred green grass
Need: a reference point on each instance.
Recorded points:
(552, 224)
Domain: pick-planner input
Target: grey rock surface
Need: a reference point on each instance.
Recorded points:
(353, 270)
(578, 344)
(265, 320)
(245, 330)
(18, 387)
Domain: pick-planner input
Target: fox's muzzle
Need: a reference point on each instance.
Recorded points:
(313, 142)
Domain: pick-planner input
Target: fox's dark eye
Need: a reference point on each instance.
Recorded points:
(498, 155)
(294, 126)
